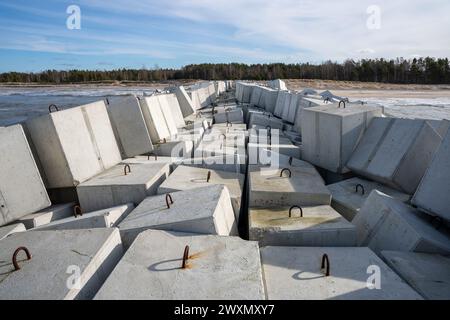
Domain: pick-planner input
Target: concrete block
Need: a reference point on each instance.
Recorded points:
(186, 178)
(384, 223)
(264, 121)
(11, 229)
(175, 149)
(233, 116)
(56, 255)
(348, 196)
(175, 110)
(229, 163)
(269, 99)
(105, 218)
(294, 273)
(433, 192)
(169, 117)
(281, 103)
(293, 106)
(205, 210)
(255, 98)
(52, 213)
(186, 105)
(22, 190)
(286, 107)
(113, 187)
(396, 152)
(277, 84)
(59, 136)
(303, 103)
(154, 159)
(129, 126)
(330, 134)
(154, 118)
(428, 274)
(318, 226)
(301, 186)
(217, 268)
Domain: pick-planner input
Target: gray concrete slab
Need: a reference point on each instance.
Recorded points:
(57, 256)
(319, 226)
(281, 103)
(205, 210)
(175, 110)
(396, 152)
(384, 223)
(269, 99)
(175, 149)
(348, 196)
(154, 118)
(22, 190)
(217, 268)
(428, 274)
(129, 126)
(113, 187)
(295, 273)
(265, 120)
(186, 178)
(11, 229)
(433, 192)
(185, 101)
(232, 116)
(229, 163)
(330, 134)
(52, 213)
(169, 117)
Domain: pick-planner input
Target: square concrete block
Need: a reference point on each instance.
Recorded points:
(348, 196)
(303, 103)
(129, 126)
(175, 110)
(293, 106)
(105, 218)
(22, 190)
(217, 268)
(11, 229)
(273, 187)
(433, 192)
(428, 274)
(186, 178)
(205, 210)
(330, 134)
(384, 223)
(269, 99)
(52, 213)
(294, 273)
(231, 116)
(286, 107)
(113, 187)
(169, 117)
(396, 152)
(185, 101)
(281, 103)
(59, 136)
(175, 149)
(318, 226)
(154, 118)
(57, 257)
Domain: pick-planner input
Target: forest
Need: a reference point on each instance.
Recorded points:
(403, 71)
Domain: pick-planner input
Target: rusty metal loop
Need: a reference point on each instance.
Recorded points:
(285, 169)
(325, 265)
(127, 166)
(169, 198)
(327, 99)
(156, 156)
(363, 191)
(107, 101)
(14, 258)
(185, 257)
(77, 211)
(208, 176)
(295, 207)
(52, 106)
(224, 136)
(342, 101)
(290, 161)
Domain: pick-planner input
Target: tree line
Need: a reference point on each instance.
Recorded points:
(404, 71)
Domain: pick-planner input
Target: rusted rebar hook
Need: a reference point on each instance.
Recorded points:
(127, 166)
(169, 198)
(325, 265)
(295, 207)
(52, 106)
(285, 169)
(342, 101)
(185, 257)
(156, 156)
(14, 258)
(363, 191)
(208, 176)
(290, 161)
(77, 211)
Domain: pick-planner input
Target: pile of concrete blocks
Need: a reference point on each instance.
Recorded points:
(277, 84)
(263, 139)
(170, 265)
(244, 92)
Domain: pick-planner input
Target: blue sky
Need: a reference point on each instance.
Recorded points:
(173, 33)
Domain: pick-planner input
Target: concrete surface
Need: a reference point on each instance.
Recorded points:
(52, 213)
(185, 101)
(11, 229)
(154, 118)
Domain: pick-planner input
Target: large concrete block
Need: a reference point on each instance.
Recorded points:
(348, 196)
(55, 212)
(205, 210)
(154, 159)
(175, 149)
(59, 137)
(120, 185)
(186, 105)
(293, 106)
(255, 98)
(261, 140)
(186, 178)
(281, 103)
(330, 134)
(318, 226)
(217, 268)
(175, 110)
(154, 118)
(231, 116)
(269, 99)
(303, 103)
(11, 229)
(301, 185)
(129, 126)
(230, 163)
(264, 121)
(277, 84)
(21, 188)
(56, 257)
(286, 107)
(396, 152)
(105, 218)
(428, 274)
(169, 116)
(433, 192)
(294, 273)
(384, 223)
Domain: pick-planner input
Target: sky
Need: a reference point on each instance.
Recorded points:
(111, 34)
